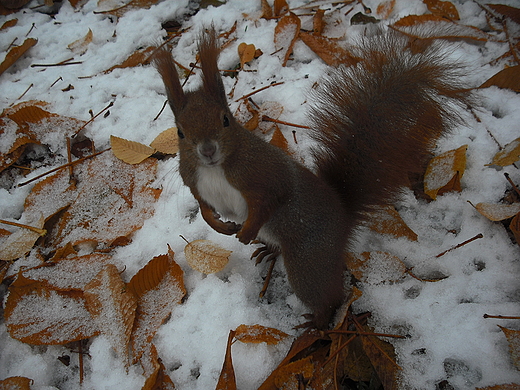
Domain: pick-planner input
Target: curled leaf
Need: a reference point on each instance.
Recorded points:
(444, 172)
(508, 155)
(167, 142)
(81, 45)
(206, 256)
(15, 53)
(285, 35)
(22, 241)
(259, 334)
(246, 53)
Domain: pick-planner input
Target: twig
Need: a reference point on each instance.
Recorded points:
(396, 336)
(461, 244)
(61, 167)
(162, 109)
(62, 63)
(58, 79)
(501, 317)
(94, 117)
(41, 232)
(512, 183)
(259, 90)
(27, 90)
(269, 119)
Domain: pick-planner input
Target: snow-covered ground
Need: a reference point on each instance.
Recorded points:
(449, 337)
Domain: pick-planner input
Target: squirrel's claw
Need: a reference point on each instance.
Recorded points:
(264, 251)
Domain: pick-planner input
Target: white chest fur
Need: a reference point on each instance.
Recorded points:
(215, 189)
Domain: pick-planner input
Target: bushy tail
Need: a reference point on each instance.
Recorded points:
(378, 120)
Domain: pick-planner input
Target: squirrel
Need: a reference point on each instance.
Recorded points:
(373, 123)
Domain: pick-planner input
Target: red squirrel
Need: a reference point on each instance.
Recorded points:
(373, 122)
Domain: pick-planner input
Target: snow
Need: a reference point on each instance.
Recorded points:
(448, 337)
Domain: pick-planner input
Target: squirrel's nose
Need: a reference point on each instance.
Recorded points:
(207, 149)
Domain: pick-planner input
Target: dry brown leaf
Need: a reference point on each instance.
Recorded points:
(259, 334)
(15, 53)
(132, 5)
(318, 24)
(280, 7)
(80, 46)
(385, 8)
(267, 11)
(285, 35)
(508, 155)
(375, 267)
(386, 220)
(16, 383)
(206, 256)
(506, 10)
(383, 357)
(246, 53)
(139, 57)
(506, 78)
(226, 380)
(443, 9)
(22, 240)
(328, 50)
(113, 200)
(443, 169)
(158, 287)
(8, 23)
(112, 308)
(167, 142)
(287, 375)
(498, 212)
(280, 141)
(514, 226)
(513, 339)
(37, 314)
(130, 152)
(156, 377)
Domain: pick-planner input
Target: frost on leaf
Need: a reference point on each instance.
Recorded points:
(130, 152)
(15, 53)
(386, 220)
(167, 142)
(112, 307)
(114, 199)
(285, 34)
(38, 314)
(158, 288)
(508, 155)
(498, 212)
(259, 334)
(226, 380)
(513, 339)
(80, 46)
(206, 256)
(375, 267)
(16, 383)
(22, 241)
(444, 172)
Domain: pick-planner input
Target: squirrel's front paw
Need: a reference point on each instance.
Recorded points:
(245, 236)
(231, 227)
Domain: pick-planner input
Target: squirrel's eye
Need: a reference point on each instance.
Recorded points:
(225, 121)
(180, 133)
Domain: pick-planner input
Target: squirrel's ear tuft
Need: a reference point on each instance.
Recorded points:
(209, 51)
(164, 63)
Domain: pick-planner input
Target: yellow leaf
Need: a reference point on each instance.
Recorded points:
(246, 53)
(386, 220)
(508, 155)
(285, 34)
(130, 152)
(443, 169)
(16, 383)
(513, 339)
(22, 240)
(443, 9)
(113, 308)
(506, 78)
(81, 45)
(498, 212)
(206, 256)
(259, 334)
(226, 380)
(167, 142)
(287, 376)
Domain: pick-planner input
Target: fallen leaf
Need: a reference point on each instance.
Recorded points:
(8, 23)
(507, 78)
(328, 50)
(280, 7)
(375, 267)
(514, 226)
(259, 334)
(287, 376)
(513, 339)
(158, 288)
(130, 152)
(267, 11)
(206, 256)
(386, 220)
(139, 57)
(280, 141)
(444, 170)
(22, 240)
(80, 46)
(318, 24)
(506, 10)
(15, 53)
(112, 308)
(246, 53)
(226, 380)
(37, 314)
(443, 9)
(167, 142)
(285, 35)
(508, 155)
(385, 8)
(16, 383)
(498, 212)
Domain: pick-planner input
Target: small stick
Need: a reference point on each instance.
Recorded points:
(367, 333)
(94, 117)
(62, 63)
(162, 109)
(61, 167)
(501, 317)
(58, 79)
(41, 232)
(27, 90)
(259, 90)
(461, 244)
(269, 119)
(511, 182)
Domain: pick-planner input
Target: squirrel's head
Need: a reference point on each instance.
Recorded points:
(205, 124)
